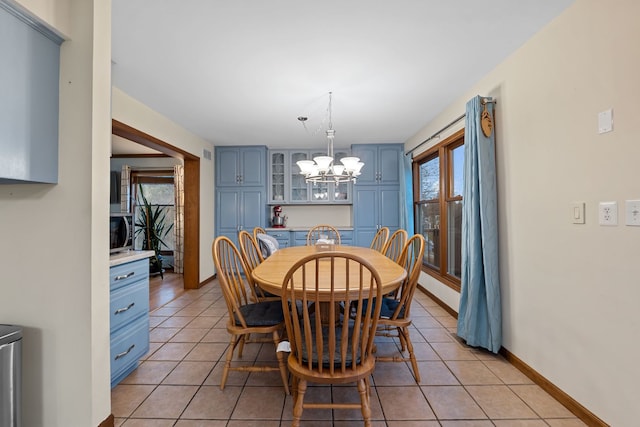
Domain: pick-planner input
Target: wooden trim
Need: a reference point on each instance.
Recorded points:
(208, 280)
(108, 422)
(191, 223)
(138, 156)
(567, 401)
(563, 398)
(191, 196)
(444, 306)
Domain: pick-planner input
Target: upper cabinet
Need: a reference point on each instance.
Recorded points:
(241, 166)
(288, 186)
(381, 163)
(29, 98)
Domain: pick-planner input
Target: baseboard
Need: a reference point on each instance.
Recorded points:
(207, 280)
(109, 422)
(567, 401)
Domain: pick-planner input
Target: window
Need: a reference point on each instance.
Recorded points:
(159, 189)
(438, 186)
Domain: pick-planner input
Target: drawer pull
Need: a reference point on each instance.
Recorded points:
(123, 309)
(125, 276)
(124, 353)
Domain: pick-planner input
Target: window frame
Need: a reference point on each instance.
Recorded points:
(444, 152)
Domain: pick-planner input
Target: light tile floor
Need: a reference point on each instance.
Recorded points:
(177, 384)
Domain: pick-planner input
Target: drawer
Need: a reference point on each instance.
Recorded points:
(128, 302)
(123, 274)
(283, 237)
(127, 347)
(346, 235)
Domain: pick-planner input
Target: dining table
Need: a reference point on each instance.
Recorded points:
(270, 273)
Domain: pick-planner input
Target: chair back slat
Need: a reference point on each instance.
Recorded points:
(395, 244)
(320, 230)
(324, 337)
(380, 239)
(256, 231)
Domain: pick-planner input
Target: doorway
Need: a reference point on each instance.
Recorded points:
(191, 196)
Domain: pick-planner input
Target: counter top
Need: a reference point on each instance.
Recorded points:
(128, 256)
(303, 228)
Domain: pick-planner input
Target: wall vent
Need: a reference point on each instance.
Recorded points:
(206, 154)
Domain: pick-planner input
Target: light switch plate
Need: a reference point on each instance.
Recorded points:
(577, 213)
(632, 208)
(605, 121)
(608, 213)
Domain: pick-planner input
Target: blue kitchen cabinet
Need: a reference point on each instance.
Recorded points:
(241, 166)
(382, 163)
(376, 196)
(241, 190)
(282, 236)
(129, 316)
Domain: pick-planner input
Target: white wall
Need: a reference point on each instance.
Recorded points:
(54, 256)
(130, 111)
(569, 292)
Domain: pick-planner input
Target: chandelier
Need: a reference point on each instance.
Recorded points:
(323, 169)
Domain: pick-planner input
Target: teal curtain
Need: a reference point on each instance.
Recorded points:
(480, 313)
(406, 194)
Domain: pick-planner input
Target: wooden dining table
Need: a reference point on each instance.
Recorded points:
(270, 274)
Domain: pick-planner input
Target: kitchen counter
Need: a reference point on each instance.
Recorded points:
(304, 228)
(128, 256)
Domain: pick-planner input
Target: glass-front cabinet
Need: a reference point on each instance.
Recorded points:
(288, 186)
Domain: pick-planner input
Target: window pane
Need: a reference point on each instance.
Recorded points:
(454, 243)
(457, 164)
(159, 194)
(428, 215)
(430, 179)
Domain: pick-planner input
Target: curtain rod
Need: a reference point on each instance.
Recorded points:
(447, 126)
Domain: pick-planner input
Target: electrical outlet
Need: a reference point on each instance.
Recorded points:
(633, 212)
(608, 213)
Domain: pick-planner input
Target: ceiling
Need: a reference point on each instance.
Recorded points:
(242, 72)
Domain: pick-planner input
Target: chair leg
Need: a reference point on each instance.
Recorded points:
(242, 340)
(403, 341)
(297, 405)
(281, 364)
(414, 363)
(364, 402)
(227, 363)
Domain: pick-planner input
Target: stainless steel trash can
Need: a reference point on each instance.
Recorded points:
(10, 375)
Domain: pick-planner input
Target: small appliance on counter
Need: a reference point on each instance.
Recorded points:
(278, 220)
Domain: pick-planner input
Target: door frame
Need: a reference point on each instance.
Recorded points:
(191, 196)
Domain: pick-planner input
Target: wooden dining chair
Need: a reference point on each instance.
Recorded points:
(380, 239)
(256, 231)
(395, 312)
(393, 248)
(320, 231)
(252, 258)
(245, 317)
(330, 348)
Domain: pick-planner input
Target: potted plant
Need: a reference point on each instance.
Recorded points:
(151, 224)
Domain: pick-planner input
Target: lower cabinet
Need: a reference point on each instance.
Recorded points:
(282, 236)
(300, 237)
(129, 316)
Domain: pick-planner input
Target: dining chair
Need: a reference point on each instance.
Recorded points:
(331, 348)
(252, 258)
(245, 317)
(393, 248)
(256, 231)
(380, 239)
(320, 231)
(395, 312)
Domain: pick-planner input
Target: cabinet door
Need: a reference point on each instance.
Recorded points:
(389, 207)
(277, 176)
(252, 208)
(369, 155)
(299, 187)
(253, 161)
(227, 166)
(365, 217)
(227, 213)
(389, 165)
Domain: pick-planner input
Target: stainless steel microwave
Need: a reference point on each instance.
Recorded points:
(121, 232)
